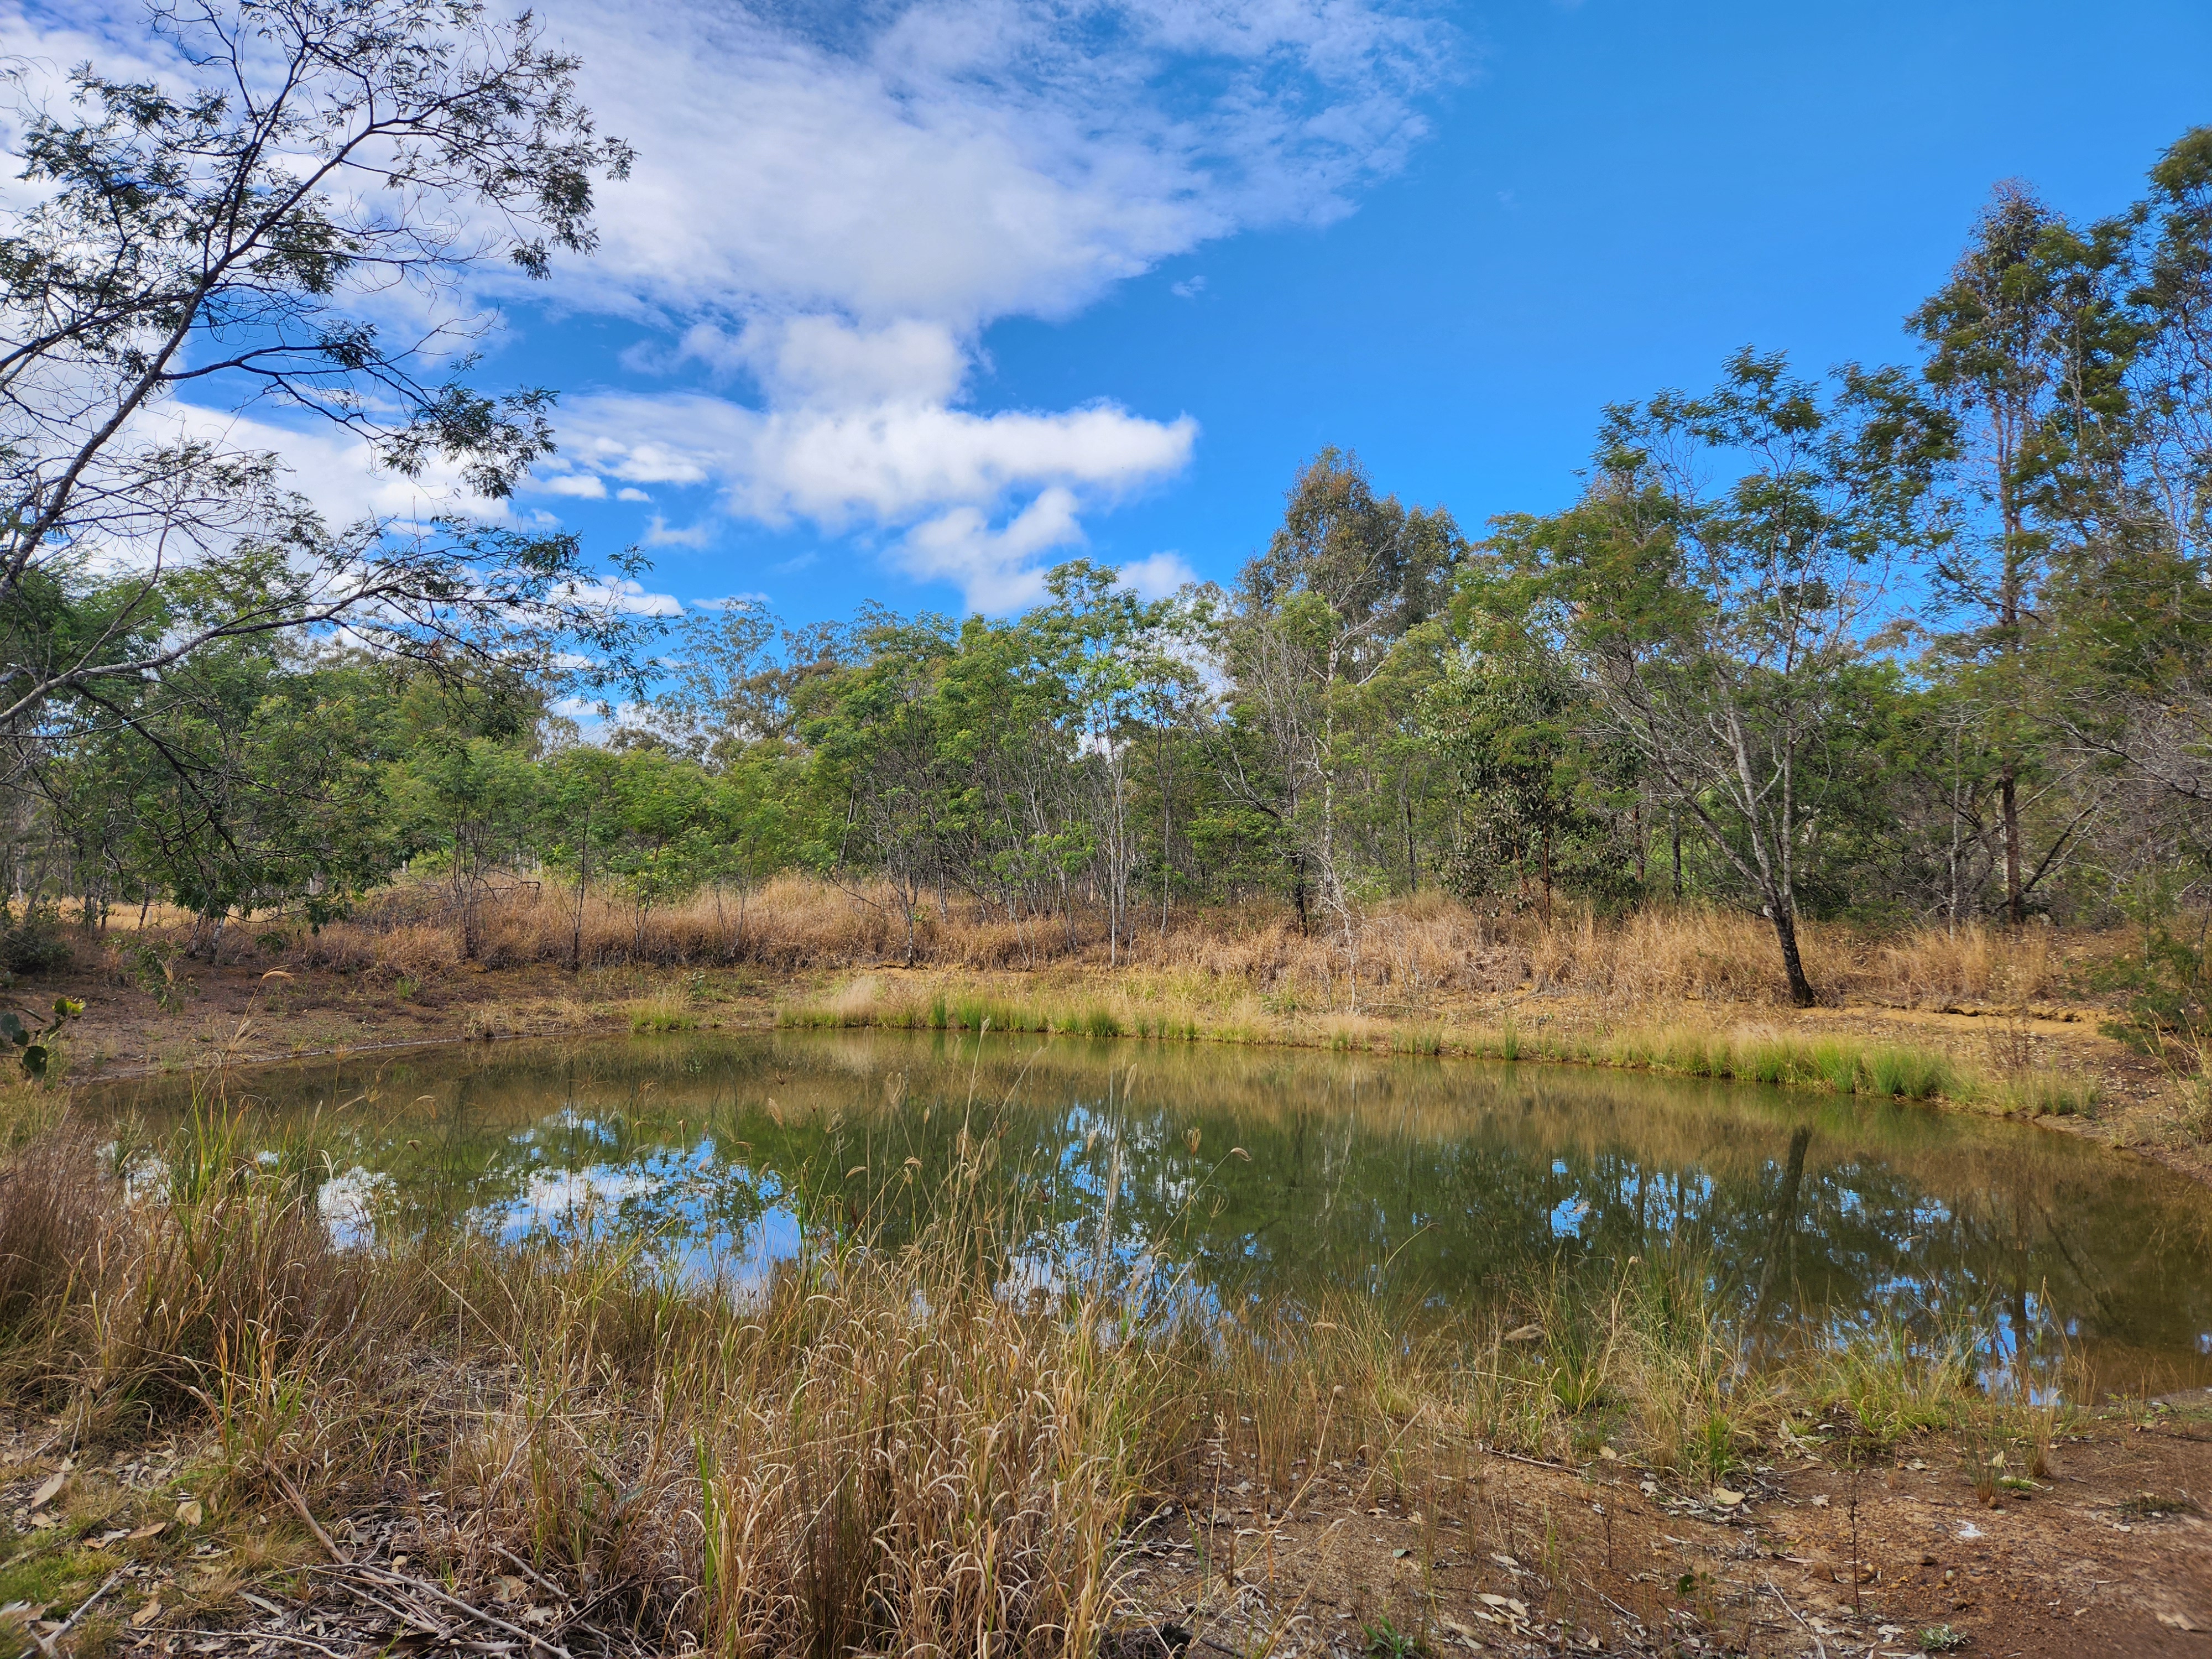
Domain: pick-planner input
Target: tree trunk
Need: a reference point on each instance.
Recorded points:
(1784, 1226)
(2009, 795)
(583, 882)
(1167, 826)
(1793, 967)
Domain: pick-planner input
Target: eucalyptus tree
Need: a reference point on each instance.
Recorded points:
(2131, 666)
(220, 241)
(2170, 374)
(2029, 342)
(466, 794)
(1114, 652)
(1509, 718)
(875, 729)
(247, 775)
(1719, 583)
(1313, 621)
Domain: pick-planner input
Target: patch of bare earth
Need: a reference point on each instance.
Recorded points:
(2111, 1554)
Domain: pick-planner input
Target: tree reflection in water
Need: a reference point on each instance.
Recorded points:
(1242, 1173)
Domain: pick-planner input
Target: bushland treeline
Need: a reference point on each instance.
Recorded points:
(1929, 642)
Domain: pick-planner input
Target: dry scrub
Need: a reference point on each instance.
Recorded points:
(1405, 955)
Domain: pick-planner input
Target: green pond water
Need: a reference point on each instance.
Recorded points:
(1448, 1184)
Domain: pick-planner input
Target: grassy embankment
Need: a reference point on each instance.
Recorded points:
(1962, 1015)
(876, 1450)
(1844, 1065)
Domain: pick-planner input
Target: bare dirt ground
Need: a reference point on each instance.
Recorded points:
(2109, 1552)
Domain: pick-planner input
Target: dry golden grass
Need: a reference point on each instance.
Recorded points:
(1405, 957)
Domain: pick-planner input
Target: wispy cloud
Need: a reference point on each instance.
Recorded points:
(661, 533)
(831, 204)
(958, 160)
(831, 216)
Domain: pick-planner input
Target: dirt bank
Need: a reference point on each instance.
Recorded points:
(2106, 1552)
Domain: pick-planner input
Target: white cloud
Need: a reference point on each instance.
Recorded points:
(622, 594)
(997, 568)
(888, 463)
(338, 471)
(1157, 574)
(589, 485)
(661, 533)
(831, 203)
(955, 161)
(980, 498)
(834, 213)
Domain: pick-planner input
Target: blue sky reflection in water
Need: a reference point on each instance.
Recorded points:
(1235, 1173)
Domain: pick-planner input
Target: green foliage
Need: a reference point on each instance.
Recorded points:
(154, 965)
(34, 1044)
(32, 942)
(1384, 1640)
(1712, 678)
(1539, 796)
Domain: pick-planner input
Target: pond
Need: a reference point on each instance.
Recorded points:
(1237, 1173)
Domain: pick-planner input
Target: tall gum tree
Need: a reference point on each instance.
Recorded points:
(2027, 346)
(1312, 623)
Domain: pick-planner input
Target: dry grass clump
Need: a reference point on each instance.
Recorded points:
(203, 1278)
(52, 1200)
(876, 1446)
(1722, 955)
(1659, 1359)
(793, 922)
(875, 1453)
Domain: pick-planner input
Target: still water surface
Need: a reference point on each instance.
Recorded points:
(1451, 1183)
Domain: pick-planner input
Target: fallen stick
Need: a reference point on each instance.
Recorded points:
(273, 1636)
(292, 1494)
(1819, 1646)
(1533, 1462)
(423, 1586)
(45, 1643)
(530, 1572)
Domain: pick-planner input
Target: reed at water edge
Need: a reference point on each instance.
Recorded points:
(877, 1447)
(1744, 1052)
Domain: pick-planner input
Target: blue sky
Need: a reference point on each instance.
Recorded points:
(908, 301)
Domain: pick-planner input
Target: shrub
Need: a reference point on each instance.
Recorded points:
(34, 942)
